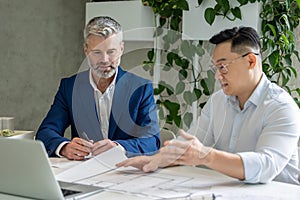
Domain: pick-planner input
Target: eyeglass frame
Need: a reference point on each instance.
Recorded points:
(223, 67)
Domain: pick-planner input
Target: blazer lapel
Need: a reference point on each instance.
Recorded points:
(120, 97)
(84, 108)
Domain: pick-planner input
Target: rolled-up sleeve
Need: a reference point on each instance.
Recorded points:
(275, 146)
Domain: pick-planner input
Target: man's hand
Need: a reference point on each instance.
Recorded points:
(102, 146)
(146, 163)
(187, 150)
(76, 149)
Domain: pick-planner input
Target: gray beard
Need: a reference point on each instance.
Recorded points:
(106, 74)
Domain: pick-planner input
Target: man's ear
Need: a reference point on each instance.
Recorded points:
(85, 48)
(252, 60)
(122, 47)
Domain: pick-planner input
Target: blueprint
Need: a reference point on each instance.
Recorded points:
(161, 184)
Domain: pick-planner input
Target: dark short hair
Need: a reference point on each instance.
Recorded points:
(241, 38)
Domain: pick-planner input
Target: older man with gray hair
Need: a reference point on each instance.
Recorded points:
(105, 106)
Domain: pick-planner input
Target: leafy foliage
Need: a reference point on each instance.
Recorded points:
(175, 100)
(279, 19)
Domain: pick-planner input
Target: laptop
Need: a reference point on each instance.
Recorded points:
(25, 171)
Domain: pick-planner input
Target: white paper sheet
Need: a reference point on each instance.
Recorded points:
(94, 166)
(163, 184)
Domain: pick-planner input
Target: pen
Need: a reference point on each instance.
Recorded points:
(209, 196)
(84, 136)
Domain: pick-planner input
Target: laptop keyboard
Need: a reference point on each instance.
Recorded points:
(67, 192)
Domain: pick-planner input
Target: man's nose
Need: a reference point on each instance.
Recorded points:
(218, 75)
(104, 57)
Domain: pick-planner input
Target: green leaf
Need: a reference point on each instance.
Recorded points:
(159, 90)
(171, 37)
(170, 57)
(243, 2)
(285, 21)
(273, 58)
(187, 119)
(209, 15)
(188, 97)
(177, 120)
(170, 90)
(272, 29)
(201, 105)
(180, 86)
(150, 54)
(161, 113)
(298, 91)
(298, 2)
(285, 79)
(199, 50)
(208, 84)
(167, 67)
(224, 4)
(175, 23)
(182, 5)
(197, 93)
(205, 87)
(172, 107)
(187, 49)
(237, 12)
(200, 2)
(162, 21)
(182, 74)
(185, 63)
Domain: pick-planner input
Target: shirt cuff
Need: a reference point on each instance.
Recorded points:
(121, 147)
(252, 167)
(59, 148)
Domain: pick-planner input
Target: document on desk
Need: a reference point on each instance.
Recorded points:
(162, 184)
(96, 165)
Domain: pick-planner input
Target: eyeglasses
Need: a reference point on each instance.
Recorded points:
(222, 68)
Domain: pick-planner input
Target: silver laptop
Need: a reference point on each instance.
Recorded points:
(25, 171)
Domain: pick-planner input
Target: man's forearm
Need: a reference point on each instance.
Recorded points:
(226, 163)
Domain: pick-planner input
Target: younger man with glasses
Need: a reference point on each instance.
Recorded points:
(248, 130)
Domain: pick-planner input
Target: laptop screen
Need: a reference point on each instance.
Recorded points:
(25, 171)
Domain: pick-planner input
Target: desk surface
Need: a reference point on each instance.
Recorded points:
(231, 189)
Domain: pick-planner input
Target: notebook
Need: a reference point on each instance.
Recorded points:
(25, 171)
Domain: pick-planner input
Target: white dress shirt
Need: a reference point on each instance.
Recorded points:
(103, 106)
(103, 103)
(265, 133)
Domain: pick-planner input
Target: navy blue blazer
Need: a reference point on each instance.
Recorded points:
(133, 120)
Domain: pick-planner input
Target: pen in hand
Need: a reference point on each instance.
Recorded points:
(85, 137)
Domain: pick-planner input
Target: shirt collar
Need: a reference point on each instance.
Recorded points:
(258, 92)
(255, 97)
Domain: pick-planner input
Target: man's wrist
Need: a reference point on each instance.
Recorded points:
(59, 148)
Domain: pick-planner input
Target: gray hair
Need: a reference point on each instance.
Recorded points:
(103, 26)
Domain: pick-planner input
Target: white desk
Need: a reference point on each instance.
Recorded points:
(232, 189)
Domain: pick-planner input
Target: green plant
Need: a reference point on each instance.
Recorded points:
(279, 19)
(175, 101)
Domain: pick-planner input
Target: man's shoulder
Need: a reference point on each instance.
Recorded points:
(73, 77)
(277, 97)
(133, 78)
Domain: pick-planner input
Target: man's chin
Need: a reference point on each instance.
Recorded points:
(106, 74)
